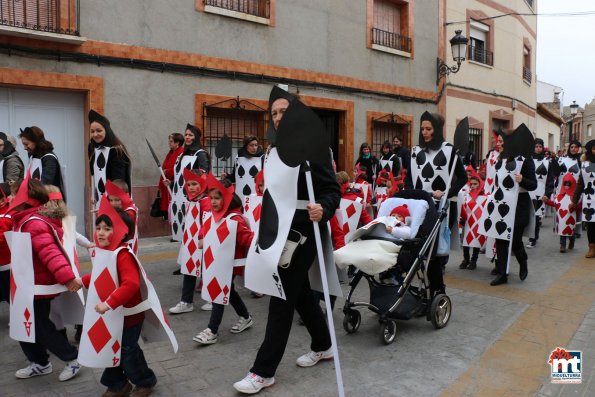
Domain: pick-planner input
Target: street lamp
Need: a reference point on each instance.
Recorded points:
(573, 112)
(458, 46)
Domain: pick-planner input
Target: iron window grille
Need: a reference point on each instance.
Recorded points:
(259, 8)
(391, 40)
(54, 16)
(527, 75)
(480, 55)
(384, 128)
(476, 141)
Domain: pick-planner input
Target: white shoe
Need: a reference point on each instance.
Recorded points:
(242, 325)
(312, 358)
(33, 369)
(253, 383)
(70, 370)
(181, 307)
(206, 337)
(207, 307)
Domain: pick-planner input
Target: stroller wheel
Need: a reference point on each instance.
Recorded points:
(352, 321)
(388, 331)
(440, 311)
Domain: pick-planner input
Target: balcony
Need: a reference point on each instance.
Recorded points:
(391, 40)
(527, 75)
(54, 20)
(254, 8)
(481, 56)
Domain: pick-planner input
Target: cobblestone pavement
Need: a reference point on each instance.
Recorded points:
(497, 342)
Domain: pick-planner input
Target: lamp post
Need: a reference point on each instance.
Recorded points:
(458, 46)
(573, 112)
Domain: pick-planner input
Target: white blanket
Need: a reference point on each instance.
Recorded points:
(370, 256)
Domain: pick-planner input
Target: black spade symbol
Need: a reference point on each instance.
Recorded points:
(498, 165)
(181, 213)
(589, 189)
(96, 195)
(439, 184)
(241, 171)
(101, 186)
(175, 227)
(253, 171)
(563, 169)
(246, 191)
(491, 207)
(503, 209)
(487, 224)
(501, 227)
(100, 161)
(36, 174)
(590, 167)
(427, 172)
(573, 169)
(178, 166)
(269, 222)
(508, 182)
(536, 204)
(413, 155)
(541, 171)
(419, 184)
(520, 158)
(511, 165)
(499, 195)
(588, 212)
(175, 189)
(439, 160)
(421, 158)
(174, 207)
(496, 180)
(181, 180)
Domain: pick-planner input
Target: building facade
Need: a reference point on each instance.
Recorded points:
(367, 67)
(495, 86)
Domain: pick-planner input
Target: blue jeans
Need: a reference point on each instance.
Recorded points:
(133, 365)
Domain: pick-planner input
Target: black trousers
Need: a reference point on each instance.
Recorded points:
(298, 297)
(474, 255)
(517, 247)
(188, 286)
(47, 337)
(217, 312)
(537, 227)
(5, 286)
(591, 232)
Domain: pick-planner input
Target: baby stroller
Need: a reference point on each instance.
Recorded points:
(399, 299)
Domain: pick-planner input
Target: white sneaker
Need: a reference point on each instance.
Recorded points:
(312, 358)
(181, 307)
(207, 307)
(70, 370)
(242, 325)
(253, 383)
(33, 369)
(206, 337)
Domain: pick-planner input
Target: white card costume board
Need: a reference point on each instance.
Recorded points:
(490, 171)
(381, 194)
(588, 196)
(190, 256)
(387, 165)
(541, 171)
(245, 171)
(430, 169)
(473, 209)
(567, 165)
(219, 246)
(252, 210)
(565, 218)
(178, 199)
(101, 155)
(101, 340)
(2, 170)
(348, 215)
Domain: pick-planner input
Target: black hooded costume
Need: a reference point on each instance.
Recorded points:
(11, 165)
(544, 172)
(245, 169)
(570, 163)
(108, 160)
(585, 191)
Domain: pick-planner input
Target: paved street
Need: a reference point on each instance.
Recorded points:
(496, 344)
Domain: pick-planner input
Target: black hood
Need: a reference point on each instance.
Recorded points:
(574, 156)
(242, 152)
(438, 137)
(276, 93)
(8, 148)
(195, 146)
(110, 138)
(588, 154)
(539, 141)
(518, 143)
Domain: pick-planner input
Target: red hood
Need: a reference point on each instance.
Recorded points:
(570, 190)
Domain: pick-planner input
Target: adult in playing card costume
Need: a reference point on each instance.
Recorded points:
(121, 306)
(509, 209)
(176, 148)
(368, 160)
(545, 187)
(194, 157)
(585, 191)
(490, 164)
(388, 161)
(431, 161)
(108, 157)
(472, 207)
(42, 263)
(43, 163)
(286, 225)
(248, 163)
(11, 165)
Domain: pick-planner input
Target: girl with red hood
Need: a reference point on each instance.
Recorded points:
(385, 187)
(566, 213)
(119, 197)
(226, 210)
(471, 209)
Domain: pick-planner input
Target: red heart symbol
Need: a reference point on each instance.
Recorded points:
(570, 221)
(563, 213)
(567, 231)
(490, 181)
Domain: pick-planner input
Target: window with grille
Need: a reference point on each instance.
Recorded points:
(384, 129)
(56, 16)
(476, 144)
(390, 26)
(478, 46)
(527, 75)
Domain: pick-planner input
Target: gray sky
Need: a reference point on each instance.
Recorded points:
(566, 48)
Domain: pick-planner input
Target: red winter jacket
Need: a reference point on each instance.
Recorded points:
(337, 233)
(50, 263)
(128, 293)
(5, 226)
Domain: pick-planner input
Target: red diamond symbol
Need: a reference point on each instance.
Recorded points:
(350, 210)
(469, 238)
(346, 228)
(13, 287)
(225, 290)
(214, 289)
(104, 285)
(190, 265)
(194, 211)
(186, 237)
(99, 335)
(27, 314)
(116, 347)
(208, 258)
(193, 229)
(206, 226)
(222, 232)
(256, 212)
(192, 247)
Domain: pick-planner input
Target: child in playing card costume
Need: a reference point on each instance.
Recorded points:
(223, 257)
(471, 210)
(5, 226)
(385, 187)
(585, 192)
(119, 197)
(51, 270)
(565, 212)
(247, 165)
(190, 255)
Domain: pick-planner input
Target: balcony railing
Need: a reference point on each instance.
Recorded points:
(527, 75)
(54, 16)
(259, 8)
(391, 40)
(481, 56)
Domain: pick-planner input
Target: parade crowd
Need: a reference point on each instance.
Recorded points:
(257, 223)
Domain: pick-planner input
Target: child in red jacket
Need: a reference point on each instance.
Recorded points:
(5, 226)
(226, 206)
(119, 197)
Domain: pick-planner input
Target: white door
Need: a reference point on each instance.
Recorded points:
(61, 117)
